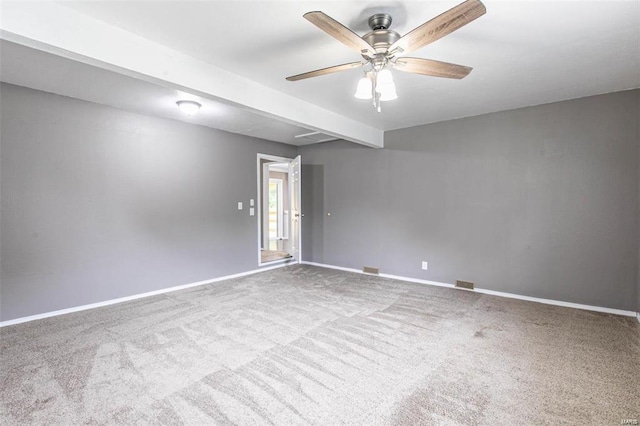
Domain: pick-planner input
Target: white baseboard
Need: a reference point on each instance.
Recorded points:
(282, 265)
(492, 292)
(559, 303)
(134, 297)
(339, 268)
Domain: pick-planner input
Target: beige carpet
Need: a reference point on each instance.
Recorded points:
(306, 345)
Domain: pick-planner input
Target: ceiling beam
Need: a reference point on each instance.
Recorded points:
(57, 29)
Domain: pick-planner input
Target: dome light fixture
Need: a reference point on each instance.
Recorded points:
(189, 107)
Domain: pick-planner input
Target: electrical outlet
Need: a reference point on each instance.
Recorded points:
(425, 265)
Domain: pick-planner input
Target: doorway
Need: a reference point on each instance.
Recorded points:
(278, 209)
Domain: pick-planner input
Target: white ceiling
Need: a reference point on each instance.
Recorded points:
(523, 52)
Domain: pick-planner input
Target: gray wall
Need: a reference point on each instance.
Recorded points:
(99, 203)
(540, 201)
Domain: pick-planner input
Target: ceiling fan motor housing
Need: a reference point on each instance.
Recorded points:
(381, 37)
(380, 21)
(380, 40)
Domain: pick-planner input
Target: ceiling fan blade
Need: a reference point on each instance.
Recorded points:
(324, 71)
(338, 31)
(440, 26)
(432, 68)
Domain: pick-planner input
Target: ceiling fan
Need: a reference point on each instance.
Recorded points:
(382, 49)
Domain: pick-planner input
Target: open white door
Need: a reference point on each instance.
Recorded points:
(287, 246)
(296, 223)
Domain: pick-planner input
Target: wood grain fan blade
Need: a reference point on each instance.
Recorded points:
(440, 26)
(432, 68)
(338, 31)
(324, 71)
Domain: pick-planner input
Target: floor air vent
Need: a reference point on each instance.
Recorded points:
(370, 270)
(464, 284)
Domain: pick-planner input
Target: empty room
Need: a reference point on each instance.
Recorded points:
(290, 212)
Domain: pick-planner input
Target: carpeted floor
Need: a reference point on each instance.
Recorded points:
(306, 345)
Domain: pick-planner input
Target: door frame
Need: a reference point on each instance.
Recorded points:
(277, 159)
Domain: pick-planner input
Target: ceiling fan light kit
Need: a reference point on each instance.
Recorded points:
(376, 86)
(383, 49)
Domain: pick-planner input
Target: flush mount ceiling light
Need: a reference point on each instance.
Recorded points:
(383, 49)
(189, 107)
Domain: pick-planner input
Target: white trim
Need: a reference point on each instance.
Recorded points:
(134, 297)
(263, 223)
(339, 268)
(558, 303)
(295, 194)
(419, 281)
(493, 293)
(393, 277)
(321, 265)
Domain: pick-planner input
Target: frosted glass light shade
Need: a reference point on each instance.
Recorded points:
(387, 91)
(363, 90)
(188, 107)
(384, 77)
(385, 86)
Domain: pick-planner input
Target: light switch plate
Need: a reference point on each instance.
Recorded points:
(251, 202)
(252, 211)
(239, 205)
